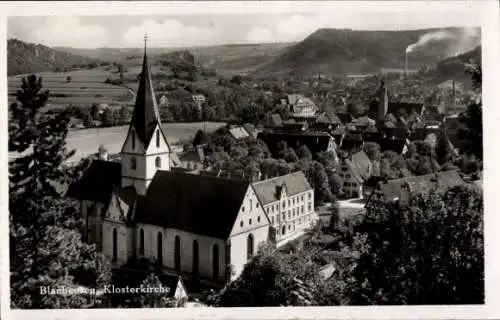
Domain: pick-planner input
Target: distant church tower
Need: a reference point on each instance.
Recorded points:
(383, 103)
(145, 149)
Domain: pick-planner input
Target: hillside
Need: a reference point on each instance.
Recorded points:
(231, 58)
(25, 57)
(344, 51)
(454, 67)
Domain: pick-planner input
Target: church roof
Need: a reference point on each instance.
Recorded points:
(267, 190)
(97, 182)
(145, 116)
(199, 204)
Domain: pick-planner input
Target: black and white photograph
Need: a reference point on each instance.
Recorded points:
(299, 155)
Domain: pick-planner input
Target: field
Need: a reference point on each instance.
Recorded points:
(85, 88)
(86, 141)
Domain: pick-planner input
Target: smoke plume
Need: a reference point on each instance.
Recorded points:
(458, 41)
(428, 37)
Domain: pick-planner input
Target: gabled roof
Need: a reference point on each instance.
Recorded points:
(268, 191)
(145, 116)
(421, 184)
(198, 204)
(408, 107)
(97, 182)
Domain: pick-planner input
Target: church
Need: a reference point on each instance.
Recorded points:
(199, 226)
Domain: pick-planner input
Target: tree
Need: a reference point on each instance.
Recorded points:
(430, 252)
(200, 138)
(237, 79)
(154, 299)
(318, 179)
(443, 150)
(290, 156)
(304, 153)
(45, 248)
(108, 118)
(472, 119)
(372, 150)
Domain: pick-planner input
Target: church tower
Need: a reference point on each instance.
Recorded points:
(145, 149)
(383, 103)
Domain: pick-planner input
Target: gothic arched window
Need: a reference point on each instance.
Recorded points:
(158, 162)
(196, 262)
(133, 164)
(158, 138)
(177, 253)
(141, 241)
(250, 246)
(115, 245)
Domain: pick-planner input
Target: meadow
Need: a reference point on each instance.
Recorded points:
(85, 88)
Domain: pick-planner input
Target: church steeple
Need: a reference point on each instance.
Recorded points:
(146, 149)
(145, 116)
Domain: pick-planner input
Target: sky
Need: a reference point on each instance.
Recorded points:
(214, 29)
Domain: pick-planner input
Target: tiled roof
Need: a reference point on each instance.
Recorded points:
(421, 184)
(408, 107)
(194, 203)
(267, 190)
(97, 182)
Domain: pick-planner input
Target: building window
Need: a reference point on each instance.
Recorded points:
(177, 253)
(115, 245)
(283, 217)
(133, 140)
(289, 227)
(283, 230)
(158, 162)
(257, 205)
(195, 258)
(258, 219)
(302, 198)
(250, 204)
(309, 206)
(272, 219)
(249, 246)
(302, 209)
(289, 202)
(268, 210)
(250, 221)
(141, 241)
(283, 204)
(243, 209)
(293, 200)
(157, 138)
(133, 164)
(241, 224)
(310, 195)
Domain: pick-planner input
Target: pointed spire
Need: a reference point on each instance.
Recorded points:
(145, 116)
